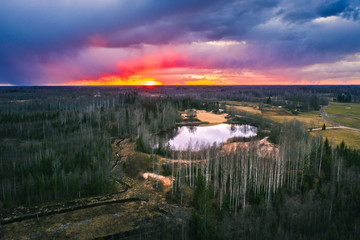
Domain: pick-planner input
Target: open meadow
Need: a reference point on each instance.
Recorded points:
(347, 114)
(336, 136)
(311, 119)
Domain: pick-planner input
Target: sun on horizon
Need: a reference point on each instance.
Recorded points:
(114, 80)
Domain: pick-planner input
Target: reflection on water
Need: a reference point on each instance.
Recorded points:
(207, 135)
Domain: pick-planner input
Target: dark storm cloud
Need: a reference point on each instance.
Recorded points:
(306, 10)
(331, 8)
(280, 32)
(45, 24)
(41, 30)
(223, 19)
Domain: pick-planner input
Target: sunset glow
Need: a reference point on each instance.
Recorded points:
(182, 43)
(151, 83)
(114, 80)
(199, 119)
(201, 82)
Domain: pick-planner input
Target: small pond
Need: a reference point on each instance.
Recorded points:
(197, 136)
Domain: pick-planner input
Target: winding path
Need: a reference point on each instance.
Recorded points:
(76, 204)
(46, 212)
(326, 118)
(117, 155)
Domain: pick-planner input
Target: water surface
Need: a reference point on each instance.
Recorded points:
(197, 136)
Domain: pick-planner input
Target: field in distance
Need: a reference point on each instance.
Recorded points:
(311, 119)
(336, 136)
(347, 114)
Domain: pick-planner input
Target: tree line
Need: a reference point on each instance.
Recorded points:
(233, 191)
(58, 146)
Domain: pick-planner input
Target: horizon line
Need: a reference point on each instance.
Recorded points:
(178, 85)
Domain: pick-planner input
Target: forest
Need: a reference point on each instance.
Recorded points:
(285, 183)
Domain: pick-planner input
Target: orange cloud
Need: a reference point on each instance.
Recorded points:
(113, 80)
(133, 72)
(202, 82)
(161, 60)
(172, 67)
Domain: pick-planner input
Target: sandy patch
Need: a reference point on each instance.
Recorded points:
(166, 181)
(264, 147)
(210, 117)
(167, 160)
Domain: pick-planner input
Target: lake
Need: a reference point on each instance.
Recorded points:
(207, 135)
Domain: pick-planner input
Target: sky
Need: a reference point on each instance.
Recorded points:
(179, 42)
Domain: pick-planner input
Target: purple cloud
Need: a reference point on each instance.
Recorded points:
(53, 42)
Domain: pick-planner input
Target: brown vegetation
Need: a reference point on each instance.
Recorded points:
(275, 113)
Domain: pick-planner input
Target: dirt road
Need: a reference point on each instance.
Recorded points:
(326, 118)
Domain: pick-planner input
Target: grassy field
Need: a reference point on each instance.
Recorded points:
(238, 103)
(275, 112)
(347, 114)
(350, 121)
(247, 109)
(344, 108)
(243, 106)
(335, 136)
(310, 119)
(343, 113)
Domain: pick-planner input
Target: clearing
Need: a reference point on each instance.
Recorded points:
(344, 108)
(310, 119)
(210, 117)
(336, 136)
(242, 106)
(347, 114)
